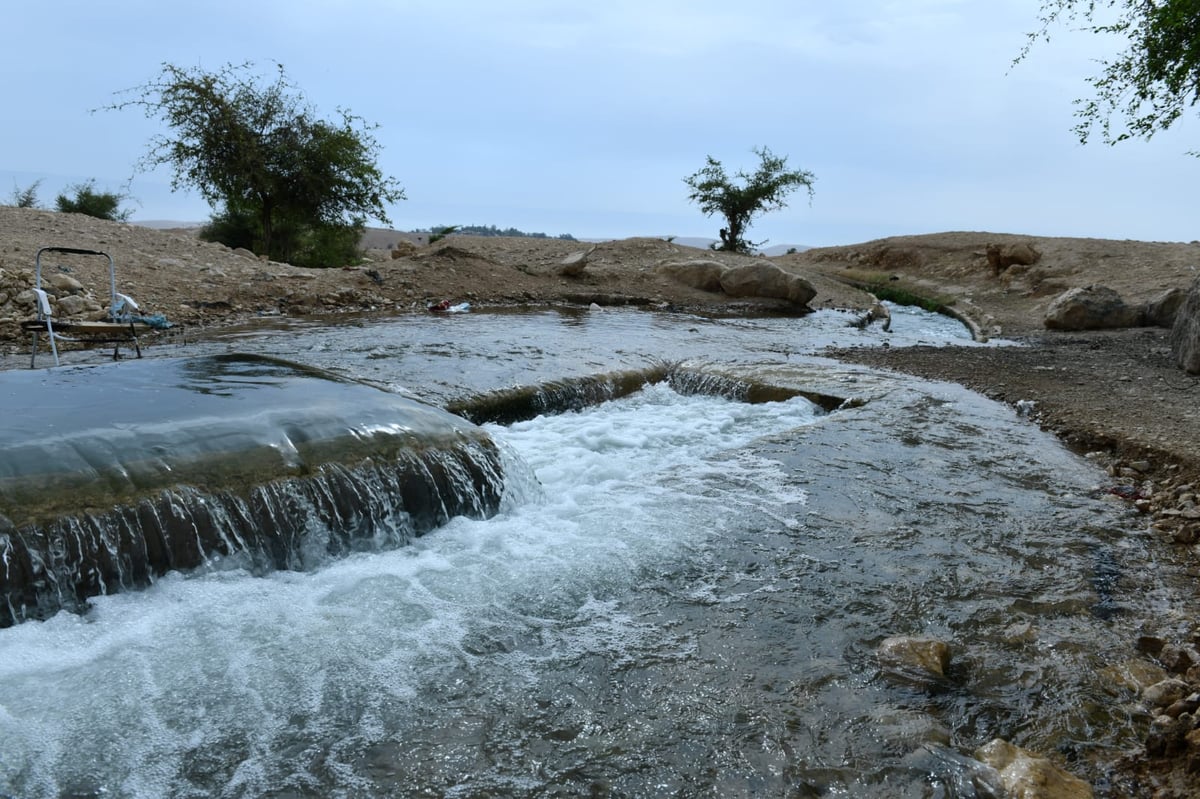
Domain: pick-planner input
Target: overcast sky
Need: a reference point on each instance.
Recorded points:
(584, 117)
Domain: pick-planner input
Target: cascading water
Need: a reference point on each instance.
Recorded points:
(125, 473)
(332, 664)
(679, 595)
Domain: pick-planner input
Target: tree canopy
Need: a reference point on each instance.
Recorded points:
(742, 197)
(290, 183)
(1152, 82)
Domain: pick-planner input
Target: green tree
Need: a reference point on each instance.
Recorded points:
(1148, 85)
(440, 232)
(86, 200)
(301, 186)
(26, 197)
(738, 201)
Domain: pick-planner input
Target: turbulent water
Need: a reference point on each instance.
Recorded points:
(681, 596)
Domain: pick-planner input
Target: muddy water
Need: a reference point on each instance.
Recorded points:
(682, 596)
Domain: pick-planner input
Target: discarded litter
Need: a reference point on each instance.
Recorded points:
(445, 307)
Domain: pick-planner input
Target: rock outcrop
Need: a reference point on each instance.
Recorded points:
(1091, 308)
(766, 280)
(1163, 309)
(1001, 257)
(699, 274)
(1185, 334)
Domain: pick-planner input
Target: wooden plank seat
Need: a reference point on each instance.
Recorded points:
(123, 331)
(86, 332)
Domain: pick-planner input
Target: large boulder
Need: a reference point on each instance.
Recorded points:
(700, 274)
(1162, 310)
(1185, 334)
(766, 280)
(1091, 308)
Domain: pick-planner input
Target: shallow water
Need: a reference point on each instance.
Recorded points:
(442, 358)
(682, 596)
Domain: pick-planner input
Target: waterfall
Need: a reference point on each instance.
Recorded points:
(157, 466)
(556, 396)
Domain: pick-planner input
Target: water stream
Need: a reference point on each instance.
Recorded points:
(681, 596)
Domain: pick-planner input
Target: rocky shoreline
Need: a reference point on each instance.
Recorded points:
(1136, 423)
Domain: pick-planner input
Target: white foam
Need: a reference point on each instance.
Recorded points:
(246, 667)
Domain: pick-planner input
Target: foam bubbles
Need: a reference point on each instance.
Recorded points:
(224, 679)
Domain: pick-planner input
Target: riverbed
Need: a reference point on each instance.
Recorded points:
(681, 596)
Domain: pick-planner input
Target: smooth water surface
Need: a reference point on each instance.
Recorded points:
(442, 358)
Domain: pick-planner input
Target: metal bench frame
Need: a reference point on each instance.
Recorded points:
(119, 328)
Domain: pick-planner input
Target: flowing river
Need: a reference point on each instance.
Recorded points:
(682, 594)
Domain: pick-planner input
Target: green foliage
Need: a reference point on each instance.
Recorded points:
(903, 296)
(738, 201)
(26, 197)
(1151, 83)
(231, 228)
(329, 245)
(86, 200)
(301, 186)
(885, 287)
(307, 245)
(439, 233)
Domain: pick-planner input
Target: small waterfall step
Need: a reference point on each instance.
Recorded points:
(117, 474)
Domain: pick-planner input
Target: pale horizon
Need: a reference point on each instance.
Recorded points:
(585, 120)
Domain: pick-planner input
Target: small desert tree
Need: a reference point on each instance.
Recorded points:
(741, 198)
(84, 199)
(26, 197)
(264, 162)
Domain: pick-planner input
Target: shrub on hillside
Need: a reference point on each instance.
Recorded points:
(100, 204)
(26, 197)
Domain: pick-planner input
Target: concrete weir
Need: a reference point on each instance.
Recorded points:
(113, 475)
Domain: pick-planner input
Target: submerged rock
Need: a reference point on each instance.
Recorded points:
(915, 656)
(1026, 775)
